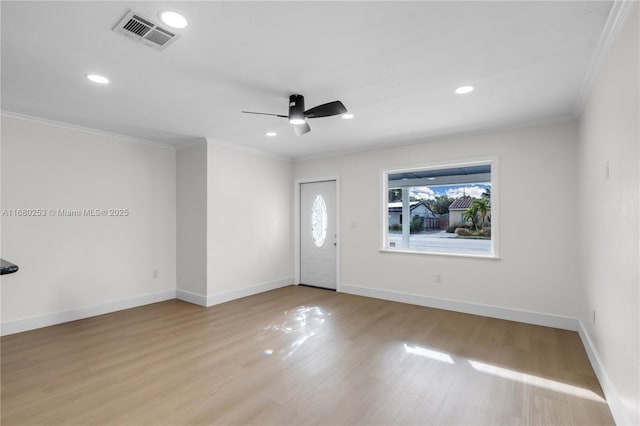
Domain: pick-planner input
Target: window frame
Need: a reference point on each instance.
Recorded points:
(495, 216)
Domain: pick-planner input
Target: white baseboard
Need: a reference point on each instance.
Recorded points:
(195, 298)
(609, 389)
(216, 299)
(39, 321)
(547, 320)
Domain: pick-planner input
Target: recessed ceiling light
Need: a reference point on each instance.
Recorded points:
(464, 89)
(173, 19)
(271, 134)
(347, 116)
(98, 78)
(431, 178)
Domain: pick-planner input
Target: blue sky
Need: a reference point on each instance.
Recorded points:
(453, 191)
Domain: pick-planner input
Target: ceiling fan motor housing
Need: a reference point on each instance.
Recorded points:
(296, 107)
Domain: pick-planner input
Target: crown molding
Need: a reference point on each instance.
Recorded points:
(68, 126)
(615, 21)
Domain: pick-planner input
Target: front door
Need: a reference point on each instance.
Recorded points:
(318, 238)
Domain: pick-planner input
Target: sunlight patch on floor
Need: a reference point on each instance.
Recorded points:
(428, 353)
(532, 380)
(506, 373)
(301, 323)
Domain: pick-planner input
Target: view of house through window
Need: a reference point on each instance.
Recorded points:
(446, 209)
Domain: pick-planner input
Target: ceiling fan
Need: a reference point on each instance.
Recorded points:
(298, 116)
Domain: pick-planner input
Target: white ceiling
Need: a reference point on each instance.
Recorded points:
(393, 64)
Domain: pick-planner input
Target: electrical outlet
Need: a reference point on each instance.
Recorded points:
(438, 278)
(594, 316)
(154, 273)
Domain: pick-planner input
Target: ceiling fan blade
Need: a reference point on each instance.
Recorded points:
(326, 110)
(301, 129)
(265, 113)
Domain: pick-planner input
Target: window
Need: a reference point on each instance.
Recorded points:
(447, 209)
(318, 221)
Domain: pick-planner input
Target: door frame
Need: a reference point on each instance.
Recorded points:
(296, 225)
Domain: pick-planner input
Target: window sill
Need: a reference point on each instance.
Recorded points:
(491, 256)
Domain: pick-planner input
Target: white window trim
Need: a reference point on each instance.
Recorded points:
(495, 203)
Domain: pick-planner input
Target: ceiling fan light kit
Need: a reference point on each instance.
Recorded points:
(296, 109)
(298, 116)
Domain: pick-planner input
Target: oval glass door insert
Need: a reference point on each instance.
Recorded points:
(318, 221)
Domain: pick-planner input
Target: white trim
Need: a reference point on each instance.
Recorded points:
(216, 299)
(338, 237)
(609, 389)
(615, 21)
(296, 226)
(451, 163)
(39, 321)
(195, 298)
(440, 253)
(69, 126)
(248, 149)
(528, 317)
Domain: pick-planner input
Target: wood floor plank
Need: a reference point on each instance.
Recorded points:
(298, 356)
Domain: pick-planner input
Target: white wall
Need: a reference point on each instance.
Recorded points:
(191, 211)
(249, 198)
(610, 280)
(537, 269)
(72, 267)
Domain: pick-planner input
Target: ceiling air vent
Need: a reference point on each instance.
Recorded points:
(138, 28)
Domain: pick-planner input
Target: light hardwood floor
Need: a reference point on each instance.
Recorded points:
(297, 355)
